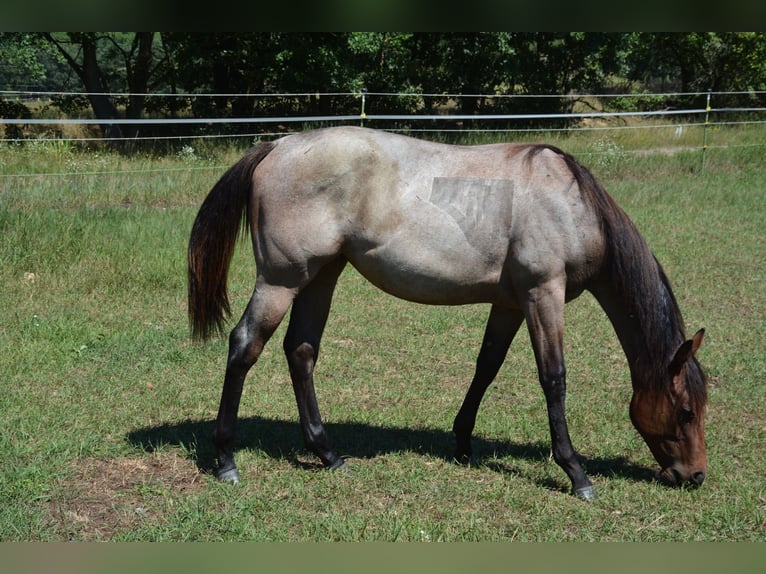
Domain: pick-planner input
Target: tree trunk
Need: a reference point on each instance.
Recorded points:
(90, 75)
(138, 79)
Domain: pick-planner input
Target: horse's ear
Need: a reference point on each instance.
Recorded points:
(685, 352)
(697, 340)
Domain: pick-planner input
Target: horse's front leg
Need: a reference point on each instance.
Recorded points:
(545, 320)
(502, 326)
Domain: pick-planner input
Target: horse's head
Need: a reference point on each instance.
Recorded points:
(671, 418)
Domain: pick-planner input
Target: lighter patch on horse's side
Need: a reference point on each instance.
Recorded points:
(481, 207)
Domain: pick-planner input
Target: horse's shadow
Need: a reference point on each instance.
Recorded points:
(281, 439)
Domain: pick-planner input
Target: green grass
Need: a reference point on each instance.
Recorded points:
(107, 406)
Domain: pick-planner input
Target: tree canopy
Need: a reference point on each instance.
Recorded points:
(115, 74)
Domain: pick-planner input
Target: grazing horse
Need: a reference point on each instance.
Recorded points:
(522, 227)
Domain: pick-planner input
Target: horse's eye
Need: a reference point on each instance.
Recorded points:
(686, 416)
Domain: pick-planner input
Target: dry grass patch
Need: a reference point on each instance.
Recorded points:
(102, 498)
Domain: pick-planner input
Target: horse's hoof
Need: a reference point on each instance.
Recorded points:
(462, 459)
(339, 464)
(586, 493)
(230, 476)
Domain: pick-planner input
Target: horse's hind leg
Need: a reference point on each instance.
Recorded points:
(264, 312)
(502, 326)
(301, 345)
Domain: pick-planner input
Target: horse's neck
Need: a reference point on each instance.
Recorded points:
(626, 326)
(641, 351)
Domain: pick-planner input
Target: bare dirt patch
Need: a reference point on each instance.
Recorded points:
(103, 497)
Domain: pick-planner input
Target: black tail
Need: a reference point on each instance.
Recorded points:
(212, 241)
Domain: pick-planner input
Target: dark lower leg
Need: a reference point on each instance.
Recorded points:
(545, 321)
(239, 363)
(263, 314)
(501, 328)
(301, 361)
(301, 346)
(226, 423)
(563, 451)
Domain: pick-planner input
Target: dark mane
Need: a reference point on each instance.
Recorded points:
(639, 280)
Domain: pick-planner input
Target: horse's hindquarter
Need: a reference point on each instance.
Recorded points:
(426, 222)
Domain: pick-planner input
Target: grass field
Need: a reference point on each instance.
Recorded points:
(107, 406)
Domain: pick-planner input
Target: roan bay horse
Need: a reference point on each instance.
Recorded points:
(523, 227)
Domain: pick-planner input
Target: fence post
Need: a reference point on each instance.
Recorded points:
(704, 129)
(363, 115)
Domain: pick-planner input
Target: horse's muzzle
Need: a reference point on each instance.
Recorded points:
(671, 477)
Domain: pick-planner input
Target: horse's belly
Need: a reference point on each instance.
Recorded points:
(443, 243)
(434, 268)
(418, 285)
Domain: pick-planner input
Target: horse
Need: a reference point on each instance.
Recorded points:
(522, 227)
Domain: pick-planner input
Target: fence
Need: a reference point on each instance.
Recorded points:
(706, 116)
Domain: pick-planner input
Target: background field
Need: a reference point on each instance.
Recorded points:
(107, 406)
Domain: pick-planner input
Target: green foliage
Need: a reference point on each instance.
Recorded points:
(698, 62)
(456, 63)
(12, 109)
(24, 60)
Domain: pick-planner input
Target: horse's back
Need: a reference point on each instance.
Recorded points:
(428, 222)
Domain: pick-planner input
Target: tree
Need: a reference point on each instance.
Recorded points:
(565, 63)
(22, 66)
(219, 63)
(85, 53)
(21, 60)
(503, 64)
(700, 61)
(467, 64)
